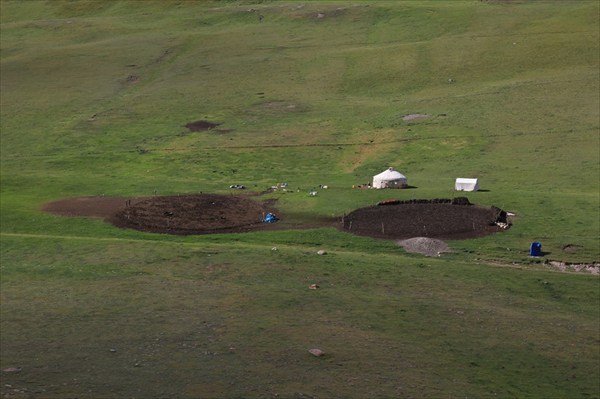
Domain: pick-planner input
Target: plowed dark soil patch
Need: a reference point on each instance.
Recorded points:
(185, 214)
(426, 219)
(194, 214)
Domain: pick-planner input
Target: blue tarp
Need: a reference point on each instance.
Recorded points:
(270, 218)
(535, 249)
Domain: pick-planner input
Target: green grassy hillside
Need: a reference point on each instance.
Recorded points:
(94, 99)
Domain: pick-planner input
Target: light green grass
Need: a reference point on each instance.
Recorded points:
(512, 90)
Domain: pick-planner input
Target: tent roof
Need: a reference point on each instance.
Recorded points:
(389, 174)
(465, 180)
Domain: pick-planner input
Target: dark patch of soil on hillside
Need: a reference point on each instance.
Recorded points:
(201, 126)
(439, 218)
(178, 214)
(186, 214)
(194, 214)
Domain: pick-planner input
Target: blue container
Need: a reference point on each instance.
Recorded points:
(535, 249)
(270, 218)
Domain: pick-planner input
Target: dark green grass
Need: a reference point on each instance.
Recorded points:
(95, 96)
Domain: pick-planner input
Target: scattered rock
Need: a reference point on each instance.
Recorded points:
(316, 352)
(592, 268)
(321, 252)
(313, 286)
(113, 350)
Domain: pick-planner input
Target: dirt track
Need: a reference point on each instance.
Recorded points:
(211, 213)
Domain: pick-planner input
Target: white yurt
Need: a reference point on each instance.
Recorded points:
(389, 178)
(464, 184)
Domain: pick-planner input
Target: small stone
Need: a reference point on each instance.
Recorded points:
(313, 286)
(321, 252)
(316, 352)
(12, 370)
(113, 350)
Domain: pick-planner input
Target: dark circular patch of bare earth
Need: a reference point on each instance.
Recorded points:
(201, 126)
(194, 214)
(178, 214)
(440, 218)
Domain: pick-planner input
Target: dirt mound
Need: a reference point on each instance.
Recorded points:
(193, 214)
(452, 219)
(424, 245)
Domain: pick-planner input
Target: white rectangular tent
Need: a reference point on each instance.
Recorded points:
(464, 184)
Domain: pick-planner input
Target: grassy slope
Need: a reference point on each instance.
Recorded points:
(521, 114)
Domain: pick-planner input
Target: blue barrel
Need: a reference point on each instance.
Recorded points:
(535, 249)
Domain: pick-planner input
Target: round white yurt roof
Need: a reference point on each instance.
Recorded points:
(389, 174)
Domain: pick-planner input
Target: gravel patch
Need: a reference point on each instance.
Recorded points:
(413, 117)
(424, 245)
(593, 268)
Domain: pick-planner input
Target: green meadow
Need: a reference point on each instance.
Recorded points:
(95, 96)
